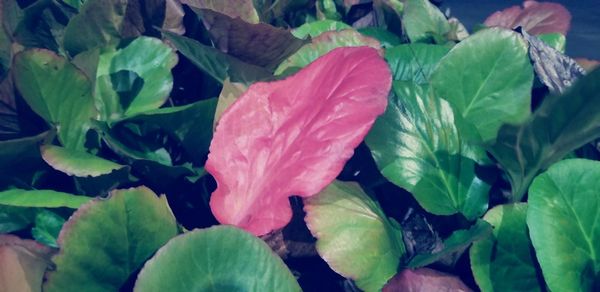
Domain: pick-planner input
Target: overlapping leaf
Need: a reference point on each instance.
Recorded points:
(425, 280)
(244, 9)
(535, 17)
(423, 21)
(276, 141)
(22, 264)
(77, 163)
(414, 61)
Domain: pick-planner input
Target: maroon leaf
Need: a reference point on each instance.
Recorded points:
(424, 280)
(535, 17)
(292, 137)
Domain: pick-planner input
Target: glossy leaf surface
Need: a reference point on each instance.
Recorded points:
(414, 62)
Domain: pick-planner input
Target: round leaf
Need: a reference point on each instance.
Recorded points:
(219, 258)
(564, 224)
(354, 236)
(77, 163)
(487, 78)
(503, 261)
(105, 241)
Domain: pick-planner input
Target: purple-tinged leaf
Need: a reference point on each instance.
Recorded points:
(425, 280)
(535, 17)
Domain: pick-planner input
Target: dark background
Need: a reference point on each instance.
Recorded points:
(583, 40)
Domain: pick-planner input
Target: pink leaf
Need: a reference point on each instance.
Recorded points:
(292, 137)
(425, 280)
(536, 18)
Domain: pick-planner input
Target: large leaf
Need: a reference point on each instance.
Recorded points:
(417, 145)
(22, 264)
(487, 79)
(504, 261)
(57, 91)
(422, 21)
(535, 18)
(105, 241)
(292, 137)
(215, 63)
(98, 23)
(244, 9)
(425, 280)
(219, 258)
(560, 125)
(77, 163)
(414, 61)
(564, 224)
(323, 44)
(41, 198)
(134, 78)
(316, 28)
(346, 223)
(458, 242)
(259, 44)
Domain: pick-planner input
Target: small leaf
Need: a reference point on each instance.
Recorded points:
(414, 62)
(215, 63)
(244, 9)
(564, 224)
(41, 199)
(425, 280)
(417, 146)
(220, 258)
(15, 218)
(504, 261)
(487, 79)
(422, 20)
(535, 18)
(560, 125)
(346, 223)
(47, 227)
(57, 91)
(105, 241)
(323, 44)
(385, 37)
(77, 163)
(316, 28)
(276, 134)
(458, 242)
(22, 264)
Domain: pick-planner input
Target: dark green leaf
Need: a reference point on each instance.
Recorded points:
(15, 218)
(385, 37)
(47, 227)
(414, 62)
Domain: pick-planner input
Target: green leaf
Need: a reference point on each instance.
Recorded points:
(504, 261)
(41, 199)
(417, 146)
(322, 45)
(459, 241)
(98, 23)
(346, 223)
(414, 62)
(77, 163)
(564, 224)
(244, 9)
(57, 91)
(422, 20)
(15, 218)
(487, 78)
(385, 37)
(560, 125)
(47, 227)
(555, 40)
(315, 28)
(215, 63)
(105, 241)
(220, 258)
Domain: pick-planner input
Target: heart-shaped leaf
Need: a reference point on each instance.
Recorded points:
(414, 62)
(57, 91)
(346, 223)
(487, 78)
(107, 240)
(220, 258)
(504, 261)
(418, 146)
(41, 199)
(422, 21)
(564, 224)
(560, 125)
(535, 18)
(292, 137)
(77, 163)
(134, 78)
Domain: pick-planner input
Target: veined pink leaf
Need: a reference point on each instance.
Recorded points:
(425, 280)
(292, 137)
(535, 17)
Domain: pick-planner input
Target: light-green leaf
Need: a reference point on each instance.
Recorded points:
(57, 91)
(504, 261)
(564, 224)
(422, 21)
(315, 28)
(41, 199)
(220, 258)
(487, 78)
(417, 146)
(353, 235)
(105, 241)
(77, 163)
